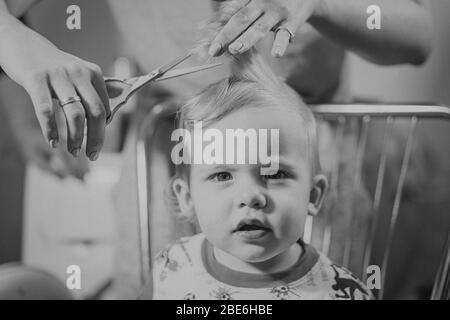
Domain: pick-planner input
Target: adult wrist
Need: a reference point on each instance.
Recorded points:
(8, 23)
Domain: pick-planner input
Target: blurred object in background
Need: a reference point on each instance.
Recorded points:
(12, 174)
(70, 222)
(19, 282)
(425, 211)
(424, 214)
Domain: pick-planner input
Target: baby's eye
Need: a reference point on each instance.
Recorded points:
(221, 176)
(279, 175)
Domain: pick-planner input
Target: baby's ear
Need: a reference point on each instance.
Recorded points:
(318, 190)
(181, 189)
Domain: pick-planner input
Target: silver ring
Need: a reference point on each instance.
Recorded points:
(69, 101)
(291, 34)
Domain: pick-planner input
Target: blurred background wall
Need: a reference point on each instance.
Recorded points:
(428, 83)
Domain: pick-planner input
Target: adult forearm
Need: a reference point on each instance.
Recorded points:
(17, 7)
(8, 27)
(404, 37)
(9, 10)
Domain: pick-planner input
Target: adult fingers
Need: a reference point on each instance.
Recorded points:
(40, 95)
(96, 119)
(255, 33)
(297, 17)
(74, 112)
(282, 39)
(90, 84)
(238, 23)
(99, 84)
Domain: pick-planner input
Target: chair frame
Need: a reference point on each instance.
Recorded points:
(441, 288)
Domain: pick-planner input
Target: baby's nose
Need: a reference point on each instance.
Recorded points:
(253, 198)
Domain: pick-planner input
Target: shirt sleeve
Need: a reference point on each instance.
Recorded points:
(169, 271)
(348, 287)
(159, 273)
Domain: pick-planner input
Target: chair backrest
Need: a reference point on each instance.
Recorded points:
(343, 120)
(379, 158)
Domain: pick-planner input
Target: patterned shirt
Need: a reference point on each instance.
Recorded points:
(188, 270)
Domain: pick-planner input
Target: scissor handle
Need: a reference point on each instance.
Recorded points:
(118, 93)
(123, 89)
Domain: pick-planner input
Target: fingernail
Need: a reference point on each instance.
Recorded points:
(93, 156)
(214, 49)
(75, 153)
(278, 52)
(236, 46)
(53, 143)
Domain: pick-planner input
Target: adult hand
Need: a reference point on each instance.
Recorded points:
(47, 72)
(253, 19)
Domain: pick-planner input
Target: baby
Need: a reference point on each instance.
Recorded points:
(251, 213)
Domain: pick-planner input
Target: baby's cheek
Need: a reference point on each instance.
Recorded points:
(292, 225)
(292, 212)
(211, 211)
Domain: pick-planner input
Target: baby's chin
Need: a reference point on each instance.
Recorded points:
(255, 254)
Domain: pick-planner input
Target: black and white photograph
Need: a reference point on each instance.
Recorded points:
(255, 150)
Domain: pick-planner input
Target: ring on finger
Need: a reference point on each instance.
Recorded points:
(291, 34)
(69, 100)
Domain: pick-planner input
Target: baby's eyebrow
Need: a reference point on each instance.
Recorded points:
(216, 167)
(284, 163)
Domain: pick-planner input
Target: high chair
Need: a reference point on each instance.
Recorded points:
(384, 148)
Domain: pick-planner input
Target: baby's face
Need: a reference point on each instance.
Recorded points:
(251, 216)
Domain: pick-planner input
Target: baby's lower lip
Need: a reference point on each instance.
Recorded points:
(252, 234)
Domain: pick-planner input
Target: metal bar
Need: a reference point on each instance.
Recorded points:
(143, 201)
(441, 288)
(142, 195)
(326, 241)
(356, 185)
(383, 110)
(146, 133)
(377, 196)
(397, 200)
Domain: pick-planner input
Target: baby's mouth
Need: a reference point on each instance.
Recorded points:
(251, 229)
(250, 225)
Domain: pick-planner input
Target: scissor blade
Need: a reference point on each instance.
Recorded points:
(172, 64)
(182, 72)
(157, 73)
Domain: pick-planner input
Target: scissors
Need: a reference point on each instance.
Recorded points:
(125, 88)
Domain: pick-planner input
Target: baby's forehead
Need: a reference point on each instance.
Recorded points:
(254, 133)
(291, 126)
